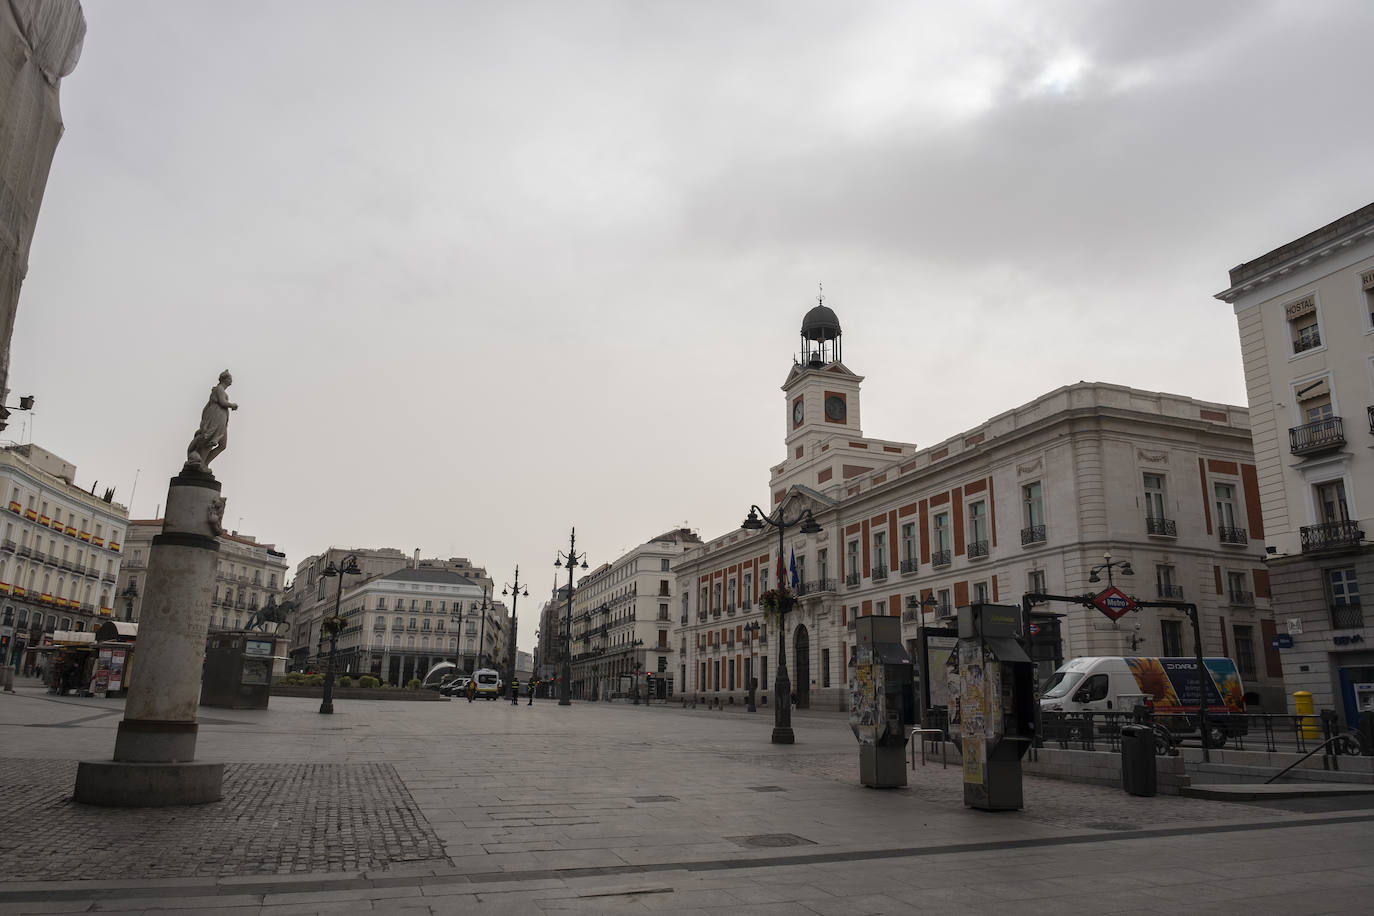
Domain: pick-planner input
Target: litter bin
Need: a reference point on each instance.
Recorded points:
(1138, 773)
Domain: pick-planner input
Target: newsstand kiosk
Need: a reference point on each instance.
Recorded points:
(882, 701)
(996, 705)
(238, 670)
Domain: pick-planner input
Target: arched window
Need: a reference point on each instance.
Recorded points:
(410, 642)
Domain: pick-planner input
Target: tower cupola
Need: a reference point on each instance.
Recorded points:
(820, 335)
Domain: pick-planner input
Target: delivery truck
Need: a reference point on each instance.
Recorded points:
(1117, 684)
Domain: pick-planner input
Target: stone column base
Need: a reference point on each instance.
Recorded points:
(117, 784)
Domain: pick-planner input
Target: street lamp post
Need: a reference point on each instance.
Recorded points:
(570, 560)
(335, 625)
(515, 592)
(782, 684)
(1123, 567)
(751, 630)
(130, 593)
(484, 605)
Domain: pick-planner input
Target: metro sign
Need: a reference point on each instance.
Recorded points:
(1114, 603)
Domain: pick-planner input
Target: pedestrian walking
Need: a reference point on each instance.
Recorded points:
(514, 690)
(472, 690)
(534, 682)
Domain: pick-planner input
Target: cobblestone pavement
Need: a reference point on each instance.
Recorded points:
(273, 819)
(456, 808)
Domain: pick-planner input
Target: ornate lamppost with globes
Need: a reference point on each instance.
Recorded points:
(515, 592)
(571, 559)
(333, 626)
(782, 684)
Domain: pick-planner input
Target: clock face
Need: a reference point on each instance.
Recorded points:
(835, 408)
(797, 412)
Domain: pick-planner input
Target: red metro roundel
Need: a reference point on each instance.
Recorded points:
(1114, 603)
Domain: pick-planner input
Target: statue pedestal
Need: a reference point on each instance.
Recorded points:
(154, 756)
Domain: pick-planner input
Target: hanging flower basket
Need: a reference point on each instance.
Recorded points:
(776, 602)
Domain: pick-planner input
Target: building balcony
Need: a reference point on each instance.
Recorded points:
(746, 604)
(909, 565)
(911, 615)
(978, 550)
(940, 559)
(1314, 438)
(730, 610)
(683, 621)
(1306, 342)
(1160, 527)
(1330, 536)
(851, 579)
(852, 625)
(1174, 592)
(1233, 536)
(1034, 534)
(23, 551)
(701, 615)
(819, 586)
(879, 573)
(7, 545)
(1348, 616)
(715, 612)
(1242, 599)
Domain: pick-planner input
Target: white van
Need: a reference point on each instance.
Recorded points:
(488, 683)
(1117, 684)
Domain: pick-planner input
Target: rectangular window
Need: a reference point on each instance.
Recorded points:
(941, 556)
(801, 569)
(1331, 502)
(1154, 496)
(909, 547)
(1032, 505)
(1226, 504)
(663, 564)
(823, 565)
(980, 592)
(825, 667)
(1171, 633)
(1240, 594)
(1302, 324)
(978, 526)
(1345, 598)
(1164, 583)
(880, 551)
(851, 563)
(1035, 581)
(1245, 651)
(944, 608)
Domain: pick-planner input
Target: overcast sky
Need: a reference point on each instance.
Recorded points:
(485, 271)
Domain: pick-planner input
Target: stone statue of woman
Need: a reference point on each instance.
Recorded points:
(213, 435)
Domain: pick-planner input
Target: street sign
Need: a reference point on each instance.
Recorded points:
(1282, 641)
(1114, 603)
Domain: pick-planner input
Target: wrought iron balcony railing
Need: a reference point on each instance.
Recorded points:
(1242, 599)
(939, 558)
(1307, 341)
(820, 585)
(978, 550)
(1033, 534)
(1233, 535)
(1169, 591)
(1348, 616)
(878, 573)
(1160, 527)
(1314, 438)
(1330, 536)
(851, 579)
(909, 565)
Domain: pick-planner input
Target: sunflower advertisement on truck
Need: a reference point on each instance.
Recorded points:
(1117, 683)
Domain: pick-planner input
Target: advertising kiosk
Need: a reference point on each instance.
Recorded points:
(238, 670)
(882, 701)
(996, 705)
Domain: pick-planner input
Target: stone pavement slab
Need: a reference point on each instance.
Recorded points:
(443, 807)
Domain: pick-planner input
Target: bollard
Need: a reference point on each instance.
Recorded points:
(1304, 706)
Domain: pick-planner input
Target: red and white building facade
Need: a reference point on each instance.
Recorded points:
(1029, 500)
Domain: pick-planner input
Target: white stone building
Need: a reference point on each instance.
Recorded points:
(1029, 500)
(623, 619)
(1305, 313)
(60, 554)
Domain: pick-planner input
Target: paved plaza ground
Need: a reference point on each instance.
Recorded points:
(457, 807)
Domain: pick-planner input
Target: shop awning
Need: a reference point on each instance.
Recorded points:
(117, 631)
(73, 638)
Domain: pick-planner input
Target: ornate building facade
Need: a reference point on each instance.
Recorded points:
(1028, 501)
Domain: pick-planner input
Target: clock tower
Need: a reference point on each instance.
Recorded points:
(822, 395)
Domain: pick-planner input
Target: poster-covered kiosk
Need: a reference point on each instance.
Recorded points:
(238, 670)
(882, 701)
(996, 705)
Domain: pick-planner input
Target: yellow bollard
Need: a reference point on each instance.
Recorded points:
(1303, 706)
